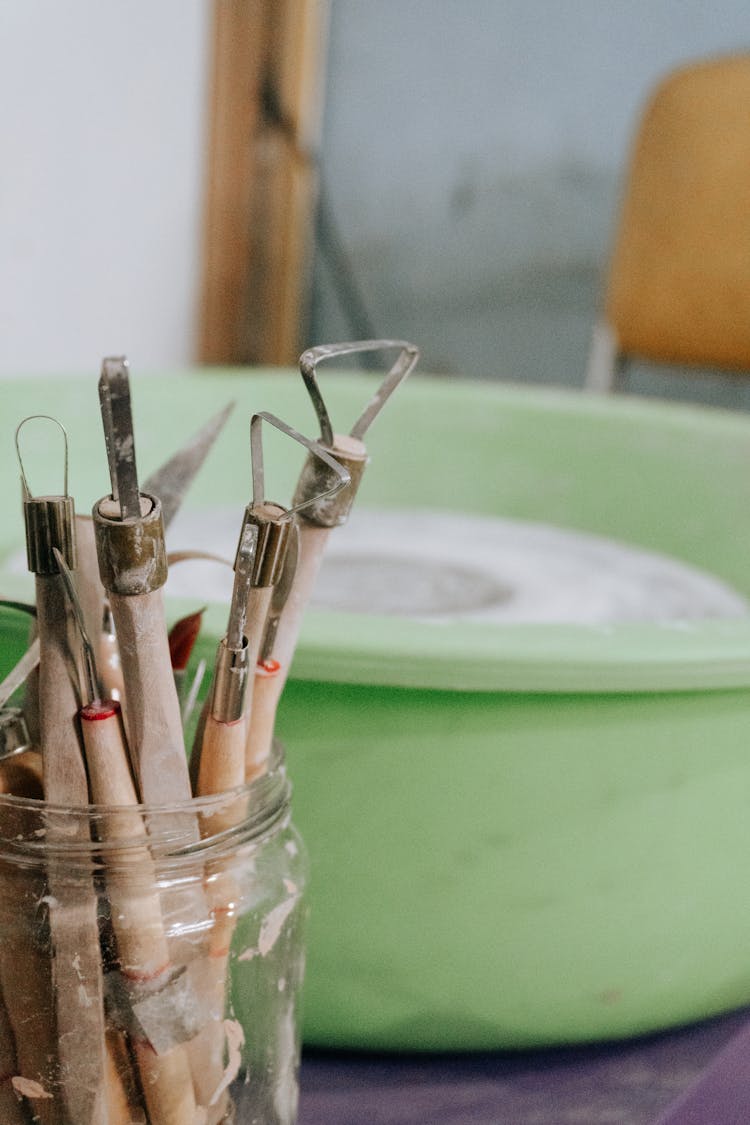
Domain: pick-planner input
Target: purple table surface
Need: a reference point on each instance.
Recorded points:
(627, 1083)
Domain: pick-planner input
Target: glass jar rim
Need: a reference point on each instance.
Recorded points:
(207, 804)
(262, 803)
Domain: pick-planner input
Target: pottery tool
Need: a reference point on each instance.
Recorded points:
(167, 486)
(133, 568)
(277, 525)
(274, 529)
(222, 752)
(271, 528)
(76, 966)
(220, 765)
(274, 524)
(221, 768)
(169, 483)
(322, 510)
(136, 912)
(171, 480)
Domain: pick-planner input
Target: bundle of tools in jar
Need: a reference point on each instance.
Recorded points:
(101, 722)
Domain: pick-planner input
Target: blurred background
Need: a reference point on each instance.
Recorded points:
(228, 181)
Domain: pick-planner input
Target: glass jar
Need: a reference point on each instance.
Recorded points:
(151, 960)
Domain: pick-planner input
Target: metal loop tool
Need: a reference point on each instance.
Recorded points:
(313, 357)
(274, 521)
(348, 449)
(48, 519)
(49, 418)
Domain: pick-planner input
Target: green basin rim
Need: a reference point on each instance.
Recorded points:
(700, 655)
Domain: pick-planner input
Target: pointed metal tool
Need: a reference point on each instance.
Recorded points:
(133, 568)
(114, 396)
(171, 480)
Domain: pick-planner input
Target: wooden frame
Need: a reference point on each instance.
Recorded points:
(265, 115)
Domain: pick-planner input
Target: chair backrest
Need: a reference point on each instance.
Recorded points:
(678, 288)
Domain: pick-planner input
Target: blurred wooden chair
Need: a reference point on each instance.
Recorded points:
(678, 283)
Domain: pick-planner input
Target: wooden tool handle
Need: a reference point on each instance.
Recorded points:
(258, 603)
(123, 1096)
(221, 768)
(76, 967)
(312, 545)
(167, 1085)
(154, 731)
(142, 947)
(77, 984)
(152, 710)
(222, 764)
(25, 974)
(136, 910)
(262, 722)
(90, 590)
(65, 780)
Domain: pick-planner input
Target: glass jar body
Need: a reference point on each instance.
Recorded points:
(151, 961)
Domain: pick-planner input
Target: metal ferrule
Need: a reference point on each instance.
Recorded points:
(316, 478)
(132, 553)
(49, 523)
(14, 734)
(230, 682)
(273, 537)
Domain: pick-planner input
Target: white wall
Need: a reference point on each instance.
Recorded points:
(102, 158)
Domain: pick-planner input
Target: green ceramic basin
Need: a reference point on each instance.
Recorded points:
(523, 834)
